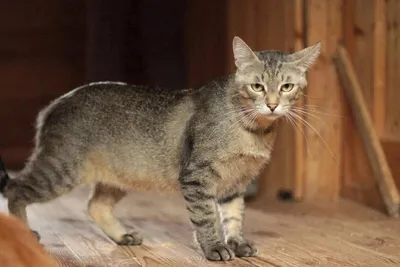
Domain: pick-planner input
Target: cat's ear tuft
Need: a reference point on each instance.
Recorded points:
(243, 54)
(305, 58)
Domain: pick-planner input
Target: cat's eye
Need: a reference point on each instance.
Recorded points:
(287, 87)
(257, 87)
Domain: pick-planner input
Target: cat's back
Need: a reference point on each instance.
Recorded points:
(119, 98)
(113, 107)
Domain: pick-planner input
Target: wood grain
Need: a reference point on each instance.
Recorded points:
(357, 181)
(322, 162)
(376, 156)
(392, 122)
(299, 37)
(391, 147)
(320, 234)
(379, 69)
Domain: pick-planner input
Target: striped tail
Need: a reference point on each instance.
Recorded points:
(4, 178)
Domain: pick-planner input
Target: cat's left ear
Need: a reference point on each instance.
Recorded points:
(305, 58)
(244, 56)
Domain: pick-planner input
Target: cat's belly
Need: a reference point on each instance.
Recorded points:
(98, 168)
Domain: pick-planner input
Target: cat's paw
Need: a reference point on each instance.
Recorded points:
(132, 239)
(220, 252)
(243, 248)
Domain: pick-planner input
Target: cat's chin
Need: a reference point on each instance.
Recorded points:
(265, 121)
(273, 117)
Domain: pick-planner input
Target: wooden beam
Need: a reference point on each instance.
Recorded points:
(323, 164)
(376, 156)
(299, 138)
(392, 92)
(379, 66)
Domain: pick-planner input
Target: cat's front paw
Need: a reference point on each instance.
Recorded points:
(131, 239)
(242, 248)
(220, 252)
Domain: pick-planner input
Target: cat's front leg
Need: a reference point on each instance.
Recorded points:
(200, 195)
(231, 207)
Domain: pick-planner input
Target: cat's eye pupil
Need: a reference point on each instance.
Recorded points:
(257, 87)
(287, 87)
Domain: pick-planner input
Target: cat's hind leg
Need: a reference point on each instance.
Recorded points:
(41, 181)
(100, 208)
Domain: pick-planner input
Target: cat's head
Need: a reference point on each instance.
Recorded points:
(268, 83)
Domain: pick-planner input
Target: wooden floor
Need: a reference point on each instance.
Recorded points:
(287, 234)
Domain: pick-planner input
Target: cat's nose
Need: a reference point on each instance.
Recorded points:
(272, 107)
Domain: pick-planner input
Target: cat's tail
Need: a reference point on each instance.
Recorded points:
(4, 177)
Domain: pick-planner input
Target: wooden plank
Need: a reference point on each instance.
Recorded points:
(357, 182)
(375, 153)
(323, 163)
(298, 10)
(392, 92)
(379, 66)
(391, 147)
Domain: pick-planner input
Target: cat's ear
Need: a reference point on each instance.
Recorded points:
(243, 54)
(305, 58)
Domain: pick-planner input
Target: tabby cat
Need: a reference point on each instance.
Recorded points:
(209, 143)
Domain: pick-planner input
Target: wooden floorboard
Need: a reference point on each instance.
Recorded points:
(287, 234)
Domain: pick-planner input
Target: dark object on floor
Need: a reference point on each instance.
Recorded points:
(285, 195)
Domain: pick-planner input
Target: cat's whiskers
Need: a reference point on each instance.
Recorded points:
(295, 126)
(233, 125)
(307, 124)
(309, 114)
(323, 110)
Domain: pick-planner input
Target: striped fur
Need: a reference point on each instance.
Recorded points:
(209, 143)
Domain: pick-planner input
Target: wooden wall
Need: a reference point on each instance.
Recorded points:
(41, 56)
(359, 37)
(371, 38)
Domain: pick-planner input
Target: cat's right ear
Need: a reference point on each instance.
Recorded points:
(243, 54)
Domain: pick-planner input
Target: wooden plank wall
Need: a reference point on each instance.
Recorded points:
(357, 181)
(323, 163)
(392, 124)
(41, 56)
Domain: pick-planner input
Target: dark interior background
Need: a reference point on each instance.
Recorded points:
(48, 47)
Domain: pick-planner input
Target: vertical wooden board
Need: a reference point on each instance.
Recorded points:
(298, 27)
(273, 33)
(380, 31)
(364, 47)
(357, 180)
(323, 165)
(392, 127)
